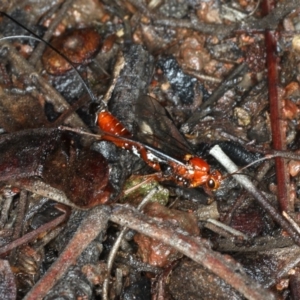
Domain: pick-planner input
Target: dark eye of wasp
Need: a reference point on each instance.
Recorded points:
(211, 184)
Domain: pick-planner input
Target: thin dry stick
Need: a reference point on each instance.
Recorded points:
(192, 247)
(8, 282)
(269, 22)
(290, 220)
(224, 160)
(37, 38)
(22, 205)
(58, 18)
(290, 264)
(43, 189)
(224, 229)
(18, 230)
(265, 243)
(32, 235)
(276, 108)
(228, 83)
(93, 224)
(5, 209)
(51, 94)
(117, 243)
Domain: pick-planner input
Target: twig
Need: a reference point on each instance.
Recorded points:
(114, 249)
(94, 223)
(265, 243)
(216, 95)
(278, 132)
(277, 122)
(289, 264)
(8, 283)
(41, 188)
(7, 201)
(136, 263)
(294, 285)
(223, 229)
(22, 205)
(292, 222)
(192, 247)
(269, 22)
(58, 18)
(51, 94)
(33, 234)
(224, 160)
(18, 227)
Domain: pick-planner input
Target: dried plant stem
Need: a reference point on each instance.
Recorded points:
(216, 95)
(33, 234)
(94, 223)
(8, 282)
(18, 228)
(278, 133)
(51, 94)
(195, 248)
(58, 18)
(114, 250)
(291, 263)
(224, 160)
(270, 21)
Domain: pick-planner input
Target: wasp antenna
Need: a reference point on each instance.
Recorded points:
(267, 157)
(233, 170)
(224, 160)
(238, 173)
(40, 39)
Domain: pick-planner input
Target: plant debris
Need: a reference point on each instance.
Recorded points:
(142, 202)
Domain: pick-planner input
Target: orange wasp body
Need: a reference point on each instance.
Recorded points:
(192, 172)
